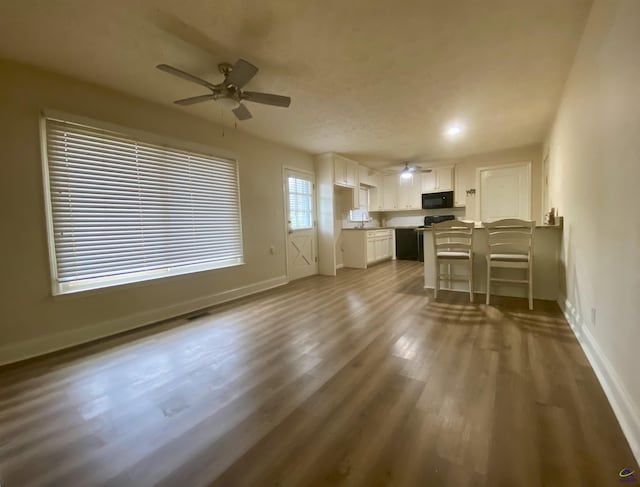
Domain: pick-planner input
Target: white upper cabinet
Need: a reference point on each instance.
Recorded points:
(345, 172)
(445, 178)
(351, 178)
(390, 192)
(429, 183)
(409, 192)
(376, 201)
(439, 179)
(368, 176)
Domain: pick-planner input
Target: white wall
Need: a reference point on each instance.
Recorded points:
(32, 320)
(594, 172)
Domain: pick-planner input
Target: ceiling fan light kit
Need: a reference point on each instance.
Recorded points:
(229, 92)
(407, 172)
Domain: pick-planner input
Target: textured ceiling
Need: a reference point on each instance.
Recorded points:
(374, 79)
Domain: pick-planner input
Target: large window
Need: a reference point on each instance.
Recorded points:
(123, 210)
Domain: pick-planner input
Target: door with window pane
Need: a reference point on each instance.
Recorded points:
(301, 229)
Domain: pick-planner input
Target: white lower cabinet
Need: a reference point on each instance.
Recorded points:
(364, 247)
(371, 250)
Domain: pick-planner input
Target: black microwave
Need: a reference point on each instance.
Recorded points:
(431, 201)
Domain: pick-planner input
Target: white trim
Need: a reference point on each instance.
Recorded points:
(544, 196)
(51, 246)
(339, 266)
(627, 413)
(69, 338)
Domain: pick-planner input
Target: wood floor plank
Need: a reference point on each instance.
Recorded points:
(358, 380)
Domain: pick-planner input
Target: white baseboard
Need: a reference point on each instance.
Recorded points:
(626, 411)
(69, 338)
(339, 266)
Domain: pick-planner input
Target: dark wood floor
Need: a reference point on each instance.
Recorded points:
(356, 380)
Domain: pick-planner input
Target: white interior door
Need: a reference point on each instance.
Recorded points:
(505, 192)
(302, 254)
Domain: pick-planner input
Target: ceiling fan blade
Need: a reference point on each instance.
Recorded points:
(242, 112)
(181, 74)
(267, 98)
(195, 99)
(241, 73)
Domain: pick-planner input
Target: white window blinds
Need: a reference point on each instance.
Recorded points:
(123, 210)
(361, 214)
(300, 203)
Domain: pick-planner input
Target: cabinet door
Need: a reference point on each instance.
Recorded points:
(390, 192)
(351, 174)
(376, 202)
(364, 176)
(367, 176)
(371, 250)
(405, 186)
(429, 182)
(390, 246)
(439, 179)
(380, 247)
(445, 178)
(410, 192)
(377, 180)
(414, 195)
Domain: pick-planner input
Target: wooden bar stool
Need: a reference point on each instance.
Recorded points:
(510, 246)
(452, 244)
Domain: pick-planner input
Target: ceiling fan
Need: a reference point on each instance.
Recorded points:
(408, 170)
(229, 92)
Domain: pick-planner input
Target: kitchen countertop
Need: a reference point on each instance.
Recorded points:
(415, 227)
(370, 228)
(480, 227)
(410, 227)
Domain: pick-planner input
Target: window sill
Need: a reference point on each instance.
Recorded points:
(140, 279)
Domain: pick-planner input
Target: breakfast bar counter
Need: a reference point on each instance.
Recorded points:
(546, 253)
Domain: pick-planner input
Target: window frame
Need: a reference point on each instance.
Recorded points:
(351, 214)
(142, 136)
(310, 195)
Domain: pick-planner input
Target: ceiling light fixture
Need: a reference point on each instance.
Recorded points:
(454, 130)
(228, 103)
(407, 172)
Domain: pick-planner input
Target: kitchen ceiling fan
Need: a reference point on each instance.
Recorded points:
(408, 170)
(229, 92)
